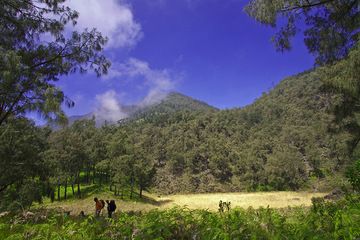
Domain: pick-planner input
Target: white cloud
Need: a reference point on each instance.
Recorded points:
(108, 107)
(113, 18)
(158, 82)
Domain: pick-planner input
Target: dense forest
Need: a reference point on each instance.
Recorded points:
(303, 134)
(288, 139)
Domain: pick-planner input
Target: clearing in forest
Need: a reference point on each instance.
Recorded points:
(208, 201)
(255, 200)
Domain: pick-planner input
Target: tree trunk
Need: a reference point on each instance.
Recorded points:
(140, 193)
(52, 195)
(72, 186)
(88, 174)
(65, 193)
(132, 187)
(94, 173)
(58, 193)
(48, 189)
(78, 185)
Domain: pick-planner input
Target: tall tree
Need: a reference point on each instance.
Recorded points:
(35, 50)
(332, 26)
(119, 153)
(331, 34)
(344, 77)
(144, 167)
(92, 138)
(21, 144)
(67, 156)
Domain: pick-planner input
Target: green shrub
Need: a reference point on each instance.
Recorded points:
(353, 174)
(324, 220)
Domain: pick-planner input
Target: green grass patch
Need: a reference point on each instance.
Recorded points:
(324, 220)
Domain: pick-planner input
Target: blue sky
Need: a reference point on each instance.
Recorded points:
(207, 49)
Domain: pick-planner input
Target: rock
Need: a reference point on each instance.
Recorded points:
(4, 214)
(28, 214)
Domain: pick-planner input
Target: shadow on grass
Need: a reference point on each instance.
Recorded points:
(96, 190)
(92, 189)
(144, 199)
(152, 201)
(86, 191)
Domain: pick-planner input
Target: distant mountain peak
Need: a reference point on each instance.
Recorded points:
(173, 102)
(185, 102)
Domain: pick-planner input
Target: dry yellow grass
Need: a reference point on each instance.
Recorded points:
(244, 200)
(208, 201)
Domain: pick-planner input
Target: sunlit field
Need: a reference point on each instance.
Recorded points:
(192, 201)
(244, 200)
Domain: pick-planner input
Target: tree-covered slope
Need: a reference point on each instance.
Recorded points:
(172, 103)
(286, 139)
(289, 138)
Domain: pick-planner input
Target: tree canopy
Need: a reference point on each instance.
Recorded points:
(331, 26)
(36, 49)
(287, 139)
(331, 31)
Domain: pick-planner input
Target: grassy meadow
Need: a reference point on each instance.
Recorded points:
(255, 200)
(200, 201)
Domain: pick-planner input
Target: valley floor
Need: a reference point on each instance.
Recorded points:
(325, 219)
(208, 201)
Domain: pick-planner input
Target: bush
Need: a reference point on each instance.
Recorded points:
(325, 220)
(353, 174)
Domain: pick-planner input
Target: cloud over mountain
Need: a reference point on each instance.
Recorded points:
(108, 107)
(157, 82)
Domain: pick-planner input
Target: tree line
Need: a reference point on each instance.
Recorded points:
(304, 130)
(288, 139)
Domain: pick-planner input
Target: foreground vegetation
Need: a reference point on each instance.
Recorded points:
(324, 220)
(303, 133)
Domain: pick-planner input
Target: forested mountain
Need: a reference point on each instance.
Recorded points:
(282, 140)
(173, 102)
(304, 134)
(289, 138)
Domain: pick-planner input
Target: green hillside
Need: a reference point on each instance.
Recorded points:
(174, 102)
(287, 139)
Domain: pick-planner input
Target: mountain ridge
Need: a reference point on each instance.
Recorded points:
(171, 103)
(287, 139)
